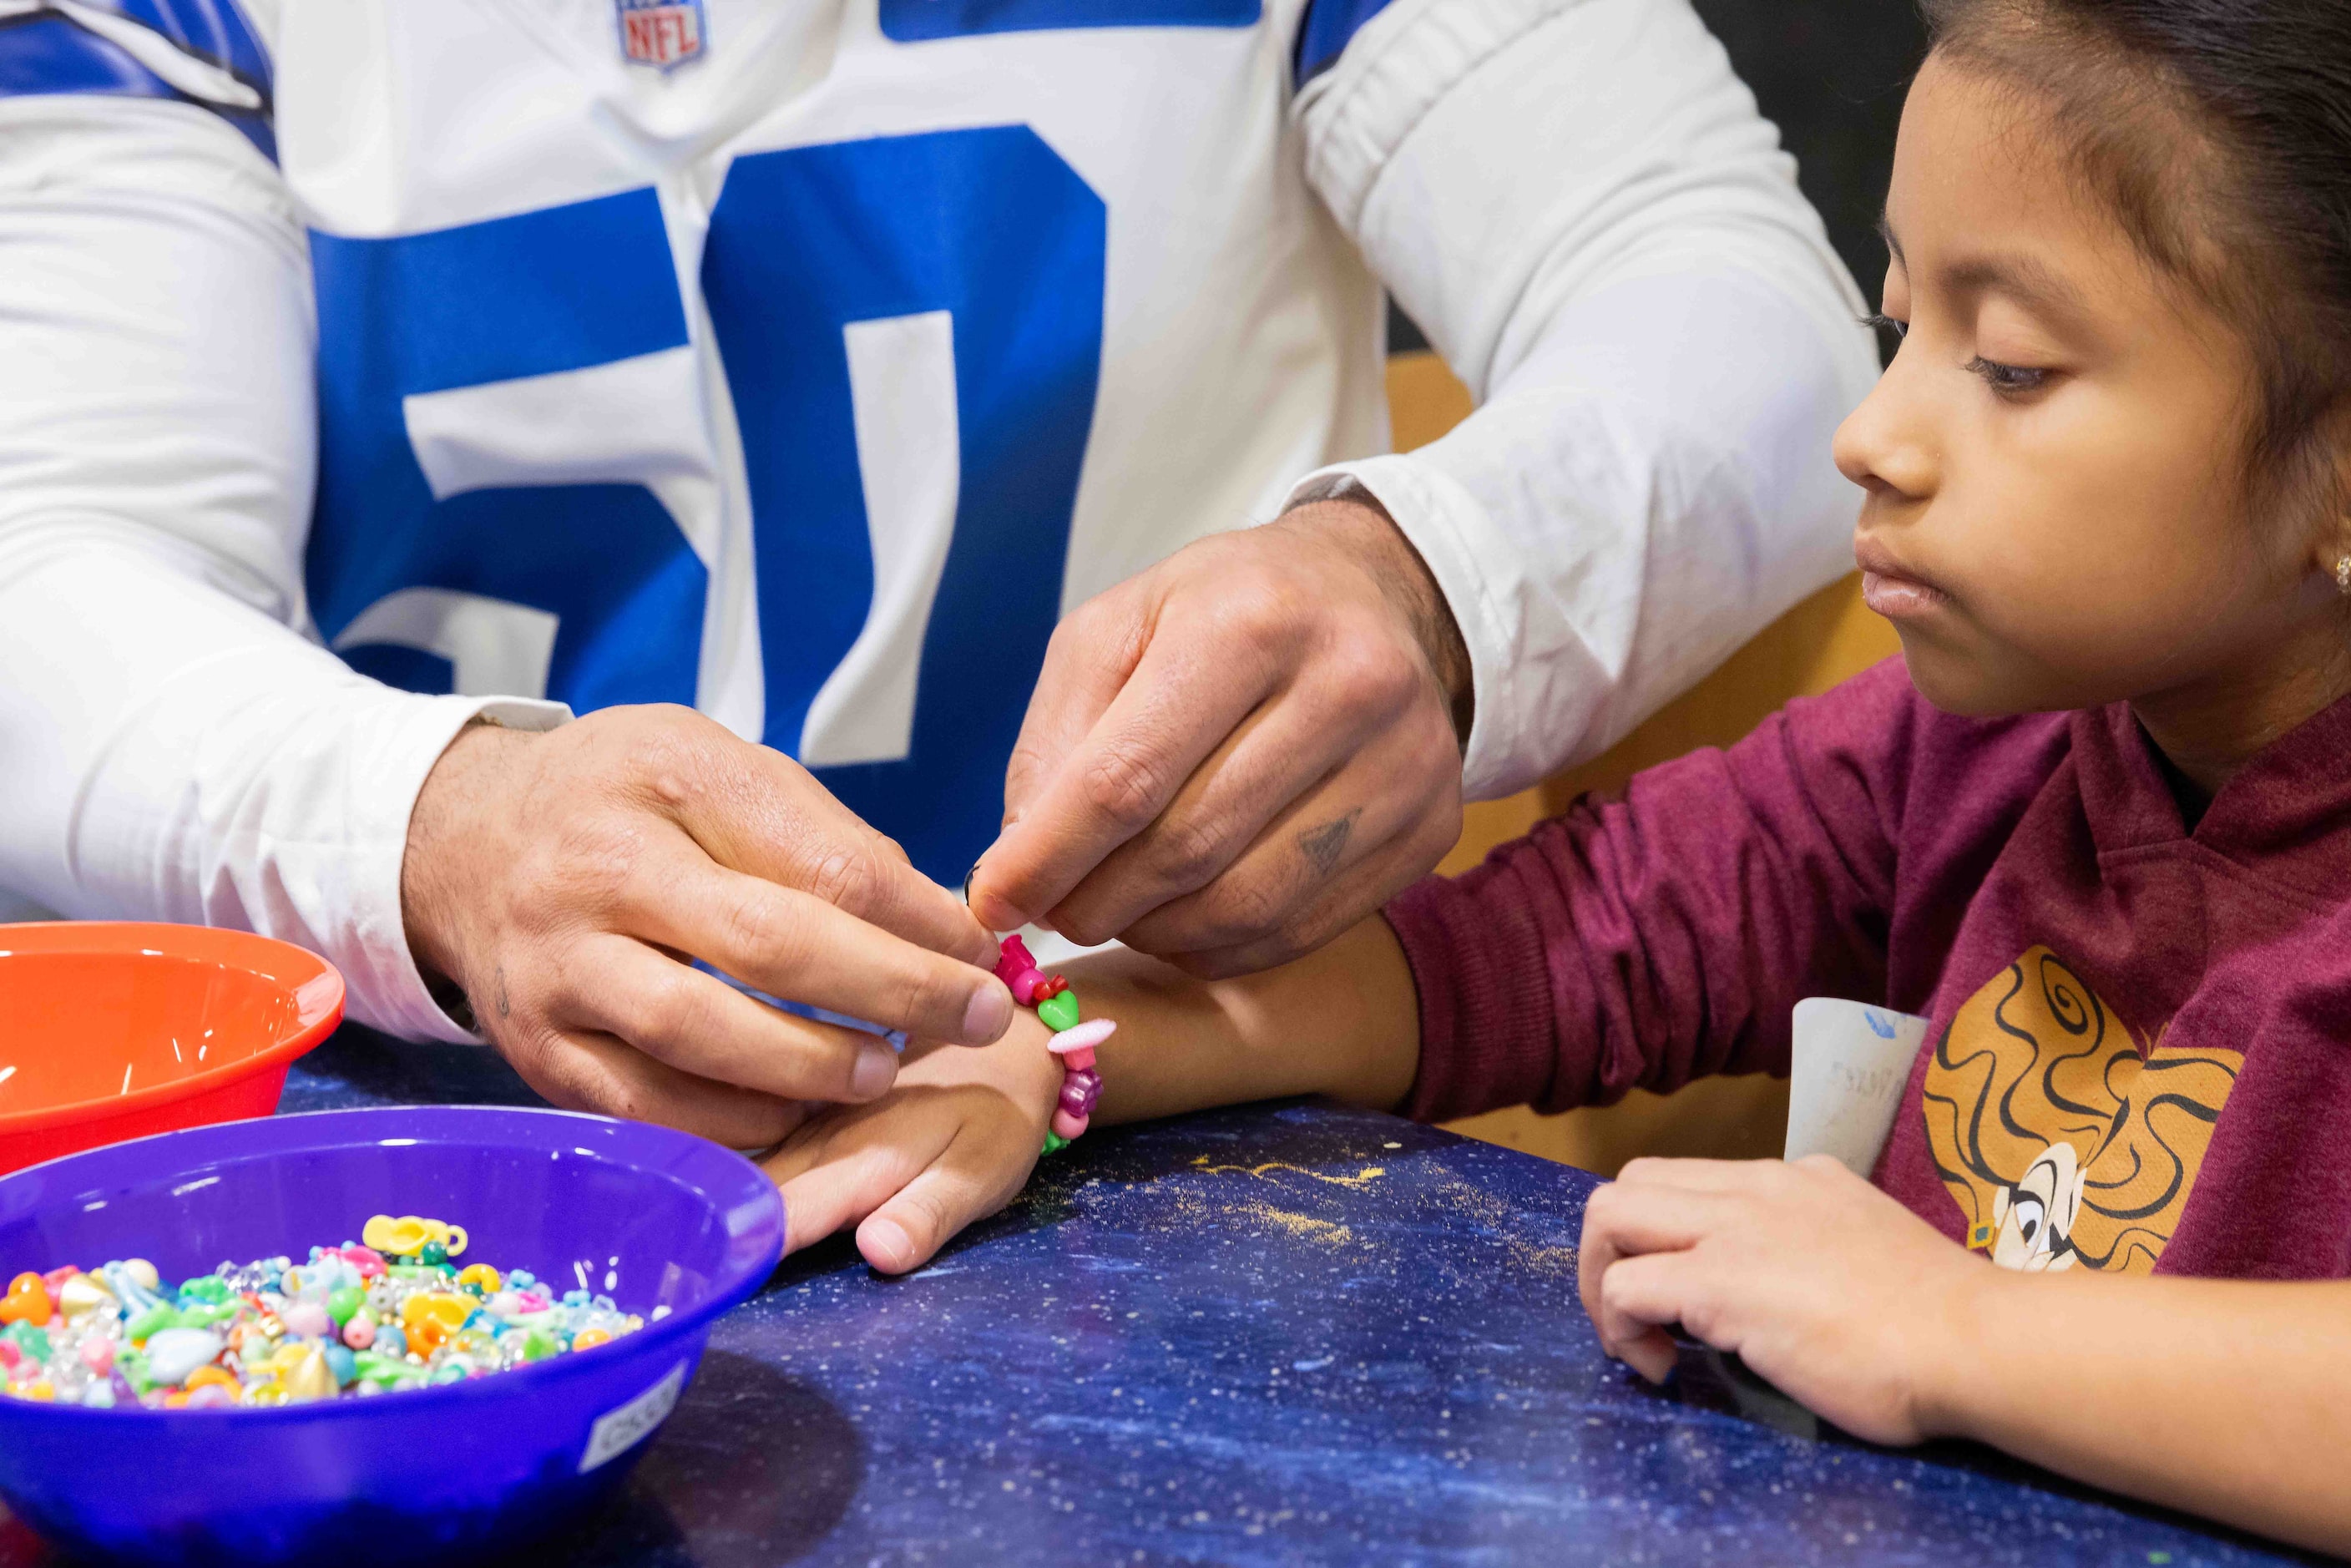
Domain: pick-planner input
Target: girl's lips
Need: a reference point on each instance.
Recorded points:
(1900, 598)
(1887, 590)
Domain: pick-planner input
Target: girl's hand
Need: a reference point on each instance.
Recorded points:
(952, 1143)
(1840, 1296)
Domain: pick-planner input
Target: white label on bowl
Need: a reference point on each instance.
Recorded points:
(624, 1427)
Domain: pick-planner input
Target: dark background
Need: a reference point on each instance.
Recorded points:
(1830, 74)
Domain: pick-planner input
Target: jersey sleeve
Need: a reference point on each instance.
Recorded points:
(1579, 202)
(1665, 934)
(173, 746)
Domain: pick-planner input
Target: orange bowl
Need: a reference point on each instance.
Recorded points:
(114, 1029)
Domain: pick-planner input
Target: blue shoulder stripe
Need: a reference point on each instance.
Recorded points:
(48, 53)
(1323, 35)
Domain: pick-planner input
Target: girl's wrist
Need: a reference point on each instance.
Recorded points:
(1958, 1340)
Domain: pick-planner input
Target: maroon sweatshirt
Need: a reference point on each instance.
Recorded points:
(2140, 1056)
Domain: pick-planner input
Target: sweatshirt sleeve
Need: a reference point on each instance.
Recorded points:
(1645, 940)
(1580, 203)
(173, 745)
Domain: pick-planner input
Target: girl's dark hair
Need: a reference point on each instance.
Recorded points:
(2252, 209)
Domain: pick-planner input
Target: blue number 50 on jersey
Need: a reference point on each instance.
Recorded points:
(938, 295)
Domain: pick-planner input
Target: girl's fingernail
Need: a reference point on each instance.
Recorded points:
(887, 1245)
(877, 1069)
(988, 1015)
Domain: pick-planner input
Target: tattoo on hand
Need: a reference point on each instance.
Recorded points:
(1325, 844)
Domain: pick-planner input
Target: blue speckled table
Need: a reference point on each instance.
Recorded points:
(1280, 1334)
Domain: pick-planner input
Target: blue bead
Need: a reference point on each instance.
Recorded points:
(343, 1363)
(391, 1340)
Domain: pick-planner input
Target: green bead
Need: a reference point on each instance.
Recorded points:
(1060, 1012)
(537, 1346)
(343, 1303)
(209, 1289)
(152, 1322)
(432, 1255)
(204, 1314)
(32, 1342)
(1055, 1142)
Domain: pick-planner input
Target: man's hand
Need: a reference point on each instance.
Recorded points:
(563, 881)
(1234, 756)
(1845, 1300)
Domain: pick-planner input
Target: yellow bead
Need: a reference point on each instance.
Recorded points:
(41, 1392)
(432, 1317)
(83, 1295)
(310, 1378)
(407, 1235)
(204, 1376)
(480, 1274)
(589, 1339)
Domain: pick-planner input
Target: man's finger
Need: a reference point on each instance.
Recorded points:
(1088, 662)
(1272, 759)
(699, 1024)
(957, 1188)
(1184, 698)
(580, 1070)
(794, 944)
(764, 815)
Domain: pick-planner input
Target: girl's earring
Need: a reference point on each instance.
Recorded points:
(2343, 574)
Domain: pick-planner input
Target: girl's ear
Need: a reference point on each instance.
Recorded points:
(2330, 543)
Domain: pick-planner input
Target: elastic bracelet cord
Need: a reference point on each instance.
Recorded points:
(1073, 1040)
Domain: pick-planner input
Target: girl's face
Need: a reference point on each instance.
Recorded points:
(2054, 514)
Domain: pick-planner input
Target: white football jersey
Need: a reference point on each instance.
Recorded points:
(804, 360)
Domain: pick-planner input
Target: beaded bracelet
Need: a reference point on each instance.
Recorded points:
(1073, 1042)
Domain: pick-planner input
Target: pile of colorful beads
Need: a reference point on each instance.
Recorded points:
(390, 1312)
(1073, 1040)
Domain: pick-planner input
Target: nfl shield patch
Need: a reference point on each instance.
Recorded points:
(662, 33)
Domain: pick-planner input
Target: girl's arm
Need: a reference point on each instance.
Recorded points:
(2226, 1398)
(1340, 1021)
(2230, 1398)
(956, 1137)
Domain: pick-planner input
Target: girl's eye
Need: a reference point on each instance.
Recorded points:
(1885, 323)
(2008, 381)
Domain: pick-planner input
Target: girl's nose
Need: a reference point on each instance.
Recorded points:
(1882, 445)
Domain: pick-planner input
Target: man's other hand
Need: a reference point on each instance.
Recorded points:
(1234, 756)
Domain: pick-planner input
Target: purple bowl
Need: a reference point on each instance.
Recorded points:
(650, 1217)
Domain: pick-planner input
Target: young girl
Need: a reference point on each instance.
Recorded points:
(2096, 823)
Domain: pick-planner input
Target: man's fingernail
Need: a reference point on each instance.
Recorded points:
(877, 1069)
(887, 1245)
(990, 1014)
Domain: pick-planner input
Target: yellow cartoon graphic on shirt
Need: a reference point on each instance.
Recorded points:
(2062, 1144)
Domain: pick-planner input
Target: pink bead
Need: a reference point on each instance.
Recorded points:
(1068, 1126)
(1077, 1061)
(366, 1259)
(1024, 987)
(1080, 1091)
(1011, 958)
(56, 1279)
(210, 1396)
(1080, 1037)
(98, 1354)
(533, 1301)
(9, 1353)
(308, 1318)
(360, 1333)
